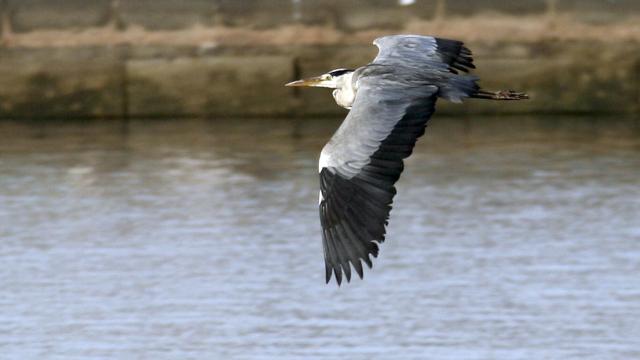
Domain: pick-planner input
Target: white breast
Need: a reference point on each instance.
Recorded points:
(325, 160)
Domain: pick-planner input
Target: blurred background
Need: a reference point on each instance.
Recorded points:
(158, 184)
(157, 58)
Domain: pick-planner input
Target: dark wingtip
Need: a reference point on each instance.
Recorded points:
(327, 270)
(347, 271)
(358, 266)
(374, 249)
(338, 274)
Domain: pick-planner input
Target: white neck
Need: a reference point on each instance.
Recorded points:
(345, 92)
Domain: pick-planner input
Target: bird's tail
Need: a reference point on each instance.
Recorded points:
(499, 95)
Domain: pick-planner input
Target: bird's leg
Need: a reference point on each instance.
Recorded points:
(500, 95)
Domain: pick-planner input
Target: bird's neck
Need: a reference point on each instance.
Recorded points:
(345, 93)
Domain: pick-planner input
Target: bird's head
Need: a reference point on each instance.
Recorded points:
(331, 80)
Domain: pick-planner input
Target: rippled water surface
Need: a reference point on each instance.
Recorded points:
(511, 238)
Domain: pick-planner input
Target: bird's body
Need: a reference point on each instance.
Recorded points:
(390, 102)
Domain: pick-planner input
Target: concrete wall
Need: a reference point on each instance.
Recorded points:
(165, 58)
(33, 15)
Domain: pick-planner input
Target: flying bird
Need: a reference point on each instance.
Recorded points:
(390, 101)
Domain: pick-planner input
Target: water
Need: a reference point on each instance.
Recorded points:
(511, 238)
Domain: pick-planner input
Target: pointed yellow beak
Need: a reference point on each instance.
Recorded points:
(314, 81)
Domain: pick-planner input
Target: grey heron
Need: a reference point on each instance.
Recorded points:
(390, 101)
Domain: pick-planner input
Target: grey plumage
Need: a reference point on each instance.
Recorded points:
(391, 100)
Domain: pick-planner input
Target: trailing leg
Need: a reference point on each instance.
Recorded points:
(500, 95)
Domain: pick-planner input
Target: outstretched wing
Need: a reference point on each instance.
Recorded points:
(363, 160)
(421, 51)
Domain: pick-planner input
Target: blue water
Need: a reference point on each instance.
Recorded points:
(511, 238)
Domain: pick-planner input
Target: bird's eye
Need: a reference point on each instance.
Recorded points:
(326, 77)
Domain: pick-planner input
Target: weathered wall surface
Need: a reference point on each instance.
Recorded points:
(165, 58)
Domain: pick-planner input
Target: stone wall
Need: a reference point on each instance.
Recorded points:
(165, 58)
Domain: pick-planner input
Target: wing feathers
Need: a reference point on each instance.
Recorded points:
(421, 50)
(355, 211)
(362, 162)
(455, 54)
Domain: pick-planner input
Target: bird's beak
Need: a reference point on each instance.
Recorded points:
(314, 81)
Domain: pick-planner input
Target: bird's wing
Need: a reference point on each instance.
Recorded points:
(420, 51)
(361, 163)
